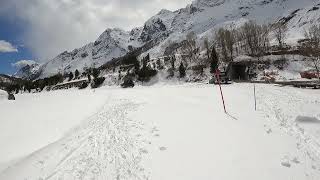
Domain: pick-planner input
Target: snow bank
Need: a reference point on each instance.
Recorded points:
(36, 120)
(3, 95)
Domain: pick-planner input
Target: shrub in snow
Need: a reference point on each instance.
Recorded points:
(127, 82)
(97, 82)
(146, 73)
(95, 73)
(84, 85)
(11, 97)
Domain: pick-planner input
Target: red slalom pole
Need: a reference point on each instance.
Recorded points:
(218, 78)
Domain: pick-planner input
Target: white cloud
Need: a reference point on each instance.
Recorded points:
(7, 47)
(23, 63)
(53, 26)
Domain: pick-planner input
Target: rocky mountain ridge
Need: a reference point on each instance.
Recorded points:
(167, 27)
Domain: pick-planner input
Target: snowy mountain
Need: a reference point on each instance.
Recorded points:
(28, 71)
(166, 27)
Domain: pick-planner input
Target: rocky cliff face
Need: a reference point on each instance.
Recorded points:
(166, 27)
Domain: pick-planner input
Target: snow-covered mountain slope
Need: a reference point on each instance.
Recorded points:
(111, 44)
(166, 27)
(205, 16)
(28, 71)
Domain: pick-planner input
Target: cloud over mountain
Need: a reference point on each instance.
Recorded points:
(23, 63)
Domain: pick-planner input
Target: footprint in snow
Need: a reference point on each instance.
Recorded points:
(295, 160)
(163, 148)
(269, 131)
(286, 164)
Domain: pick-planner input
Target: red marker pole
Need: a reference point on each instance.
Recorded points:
(255, 97)
(218, 78)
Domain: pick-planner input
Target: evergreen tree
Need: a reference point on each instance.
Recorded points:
(95, 73)
(146, 72)
(89, 77)
(173, 60)
(182, 70)
(214, 60)
(76, 74)
(70, 76)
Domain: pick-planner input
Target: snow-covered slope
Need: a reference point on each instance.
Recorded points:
(162, 132)
(111, 44)
(28, 71)
(205, 16)
(166, 27)
(3, 95)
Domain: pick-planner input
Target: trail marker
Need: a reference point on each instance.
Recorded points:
(218, 79)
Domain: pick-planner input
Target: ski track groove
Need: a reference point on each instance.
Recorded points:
(105, 147)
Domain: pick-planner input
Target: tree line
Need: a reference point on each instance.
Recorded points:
(250, 39)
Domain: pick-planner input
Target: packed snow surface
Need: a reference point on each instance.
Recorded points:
(162, 132)
(3, 95)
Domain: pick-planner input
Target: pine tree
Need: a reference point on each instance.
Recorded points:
(182, 70)
(89, 77)
(173, 60)
(214, 60)
(95, 73)
(76, 74)
(70, 76)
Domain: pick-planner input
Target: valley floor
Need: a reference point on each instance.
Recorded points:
(162, 132)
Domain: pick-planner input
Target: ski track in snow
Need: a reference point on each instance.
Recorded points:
(272, 101)
(108, 146)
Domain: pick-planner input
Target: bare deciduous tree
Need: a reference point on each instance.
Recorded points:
(230, 41)
(280, 32)
(207, 47)
(312, 48)
(222, 38)
(255, 38)
(190, 48)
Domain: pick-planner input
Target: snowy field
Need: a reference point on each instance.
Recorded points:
(162, 132)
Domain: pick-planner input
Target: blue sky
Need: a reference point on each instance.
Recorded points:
(12, 31)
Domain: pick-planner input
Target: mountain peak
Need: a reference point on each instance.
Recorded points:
(201, 16)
